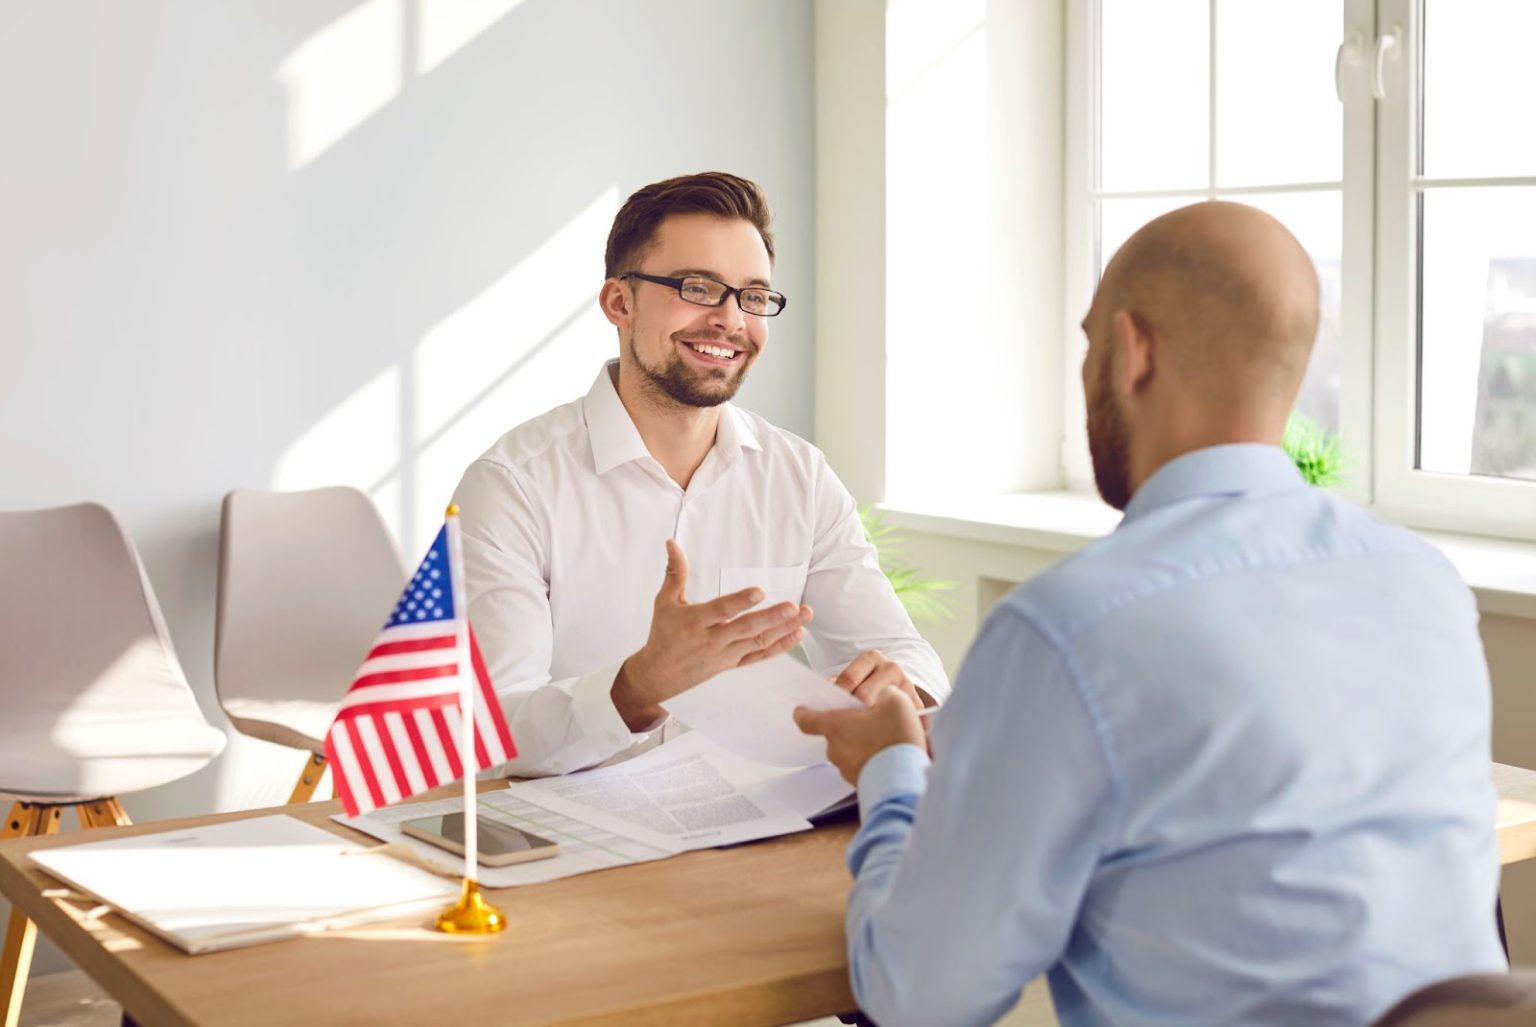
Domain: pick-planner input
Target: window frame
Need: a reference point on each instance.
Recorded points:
(1379, 338)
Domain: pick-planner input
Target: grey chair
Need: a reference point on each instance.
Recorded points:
(306, 580)
(1475, 1000)
(95, 703)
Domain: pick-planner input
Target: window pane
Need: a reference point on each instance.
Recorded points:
(1119, 219)
(1154, 83)
(1477, 385)
(1478, 89)
(1278, 120)
(1317, 221)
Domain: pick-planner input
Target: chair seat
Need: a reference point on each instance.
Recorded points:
(91, 753)
(297, 723)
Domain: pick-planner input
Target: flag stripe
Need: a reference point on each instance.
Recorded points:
(450, 740)
(411, 645)
(408, 692)
(362, 707)
(378, 760)
(407, 661)
(490, 701)
(343, 769)
(392, 677)
(434, 745)
(405, 753)
(364, 768)
(423, 764)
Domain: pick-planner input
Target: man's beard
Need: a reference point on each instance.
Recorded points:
(1107, 443)
(674, 378)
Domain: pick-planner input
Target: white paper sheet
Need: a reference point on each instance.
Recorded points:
(244, 881)
(584, 847)
(750, 710)
(804, 791)
(678, 794)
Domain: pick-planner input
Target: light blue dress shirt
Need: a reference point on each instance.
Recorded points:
(1230, 765)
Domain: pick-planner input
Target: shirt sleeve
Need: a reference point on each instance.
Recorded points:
(856, 608)
(557, 725)
(969, 878)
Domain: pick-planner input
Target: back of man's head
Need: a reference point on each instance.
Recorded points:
(710, 192)
(1199, 335)
(1231, 295)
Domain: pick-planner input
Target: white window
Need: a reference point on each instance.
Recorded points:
(1393, 137)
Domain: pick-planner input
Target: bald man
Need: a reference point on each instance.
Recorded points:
(1228, 765)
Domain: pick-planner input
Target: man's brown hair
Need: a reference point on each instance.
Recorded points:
(710, 192)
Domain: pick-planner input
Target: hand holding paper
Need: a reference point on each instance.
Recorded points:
(750, 710)
(854, 736)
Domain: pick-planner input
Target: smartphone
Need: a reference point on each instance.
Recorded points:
(499, 844)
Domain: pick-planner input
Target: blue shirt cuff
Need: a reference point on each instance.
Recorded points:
(894, 770)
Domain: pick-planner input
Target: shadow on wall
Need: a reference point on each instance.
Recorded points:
(345, 241)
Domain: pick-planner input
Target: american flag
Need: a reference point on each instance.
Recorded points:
(397, 731)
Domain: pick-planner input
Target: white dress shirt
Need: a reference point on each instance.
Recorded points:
(565, 521)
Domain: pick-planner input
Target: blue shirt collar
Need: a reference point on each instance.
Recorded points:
(1231, 470)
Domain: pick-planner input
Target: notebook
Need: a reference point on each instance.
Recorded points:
(244, 881)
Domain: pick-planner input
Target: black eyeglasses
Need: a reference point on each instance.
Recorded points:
(706, 292)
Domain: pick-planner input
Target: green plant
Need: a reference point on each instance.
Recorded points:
(922, 596)
(1317, 453)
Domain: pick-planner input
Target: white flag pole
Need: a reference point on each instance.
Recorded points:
(466, 692)
(472, 914)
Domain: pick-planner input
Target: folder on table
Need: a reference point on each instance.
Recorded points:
(244, 881)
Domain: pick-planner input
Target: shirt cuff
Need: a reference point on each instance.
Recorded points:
(895, 770)
(593, 710)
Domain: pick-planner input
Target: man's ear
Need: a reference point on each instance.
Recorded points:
(618, 303)
(1134, 345)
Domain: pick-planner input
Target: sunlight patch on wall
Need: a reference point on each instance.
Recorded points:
(444, 27)
(532, 340)
(357, 443)
(341, 76)
(936, 147)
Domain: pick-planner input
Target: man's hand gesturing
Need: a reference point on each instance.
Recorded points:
(690, 643)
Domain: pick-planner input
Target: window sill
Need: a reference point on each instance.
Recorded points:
(1501, 573)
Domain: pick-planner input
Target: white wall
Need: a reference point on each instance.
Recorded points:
(281, 244)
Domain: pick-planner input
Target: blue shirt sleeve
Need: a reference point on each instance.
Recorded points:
(969, 877)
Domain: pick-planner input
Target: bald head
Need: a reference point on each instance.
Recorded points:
(1198, 336)
(1230, 295)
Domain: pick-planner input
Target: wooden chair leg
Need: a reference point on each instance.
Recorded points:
(26, 819)
(314, 770)
(106, 812)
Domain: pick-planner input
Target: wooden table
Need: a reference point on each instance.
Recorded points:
(1517, 812)
(750, 935)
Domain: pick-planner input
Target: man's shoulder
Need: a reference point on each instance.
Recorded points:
(554, 434)
(1185, 546)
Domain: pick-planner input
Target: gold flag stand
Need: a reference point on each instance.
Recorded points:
(471, 914)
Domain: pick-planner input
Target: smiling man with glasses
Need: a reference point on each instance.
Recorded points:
(631, 544)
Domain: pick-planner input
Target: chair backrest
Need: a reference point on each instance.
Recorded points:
(94, 700)
(1474, 1000)
(306, 580)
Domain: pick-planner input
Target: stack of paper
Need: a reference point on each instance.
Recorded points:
(244, 881)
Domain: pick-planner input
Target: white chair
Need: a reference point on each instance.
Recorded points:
(306, 580)
(94, 702)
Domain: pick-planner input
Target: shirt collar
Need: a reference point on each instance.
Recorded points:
(1231, 470)
(615, 439)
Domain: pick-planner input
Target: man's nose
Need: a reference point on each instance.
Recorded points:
(728, 317)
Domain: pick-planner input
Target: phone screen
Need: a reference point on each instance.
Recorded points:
(496, 838)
